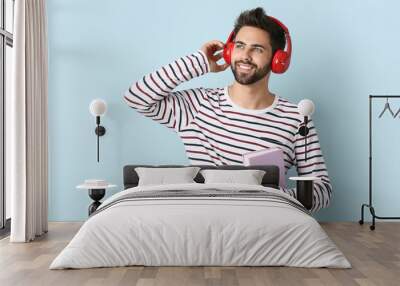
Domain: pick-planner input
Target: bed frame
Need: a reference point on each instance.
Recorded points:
(270, 179)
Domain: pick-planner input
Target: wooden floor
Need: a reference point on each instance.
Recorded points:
(374, 255)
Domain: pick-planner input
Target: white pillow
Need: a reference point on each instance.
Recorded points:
(248, 177)
(163, 176)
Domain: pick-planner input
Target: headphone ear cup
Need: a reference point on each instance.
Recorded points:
(227, 52)
(280, 62)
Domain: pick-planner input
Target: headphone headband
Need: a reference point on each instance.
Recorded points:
(280, 24)
(287, 35)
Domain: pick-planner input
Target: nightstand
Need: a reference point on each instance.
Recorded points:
(96, 190)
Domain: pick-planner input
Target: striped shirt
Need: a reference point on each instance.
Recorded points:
(216, 131)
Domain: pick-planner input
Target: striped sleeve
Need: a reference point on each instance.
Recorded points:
(314, 166)
(153, 95)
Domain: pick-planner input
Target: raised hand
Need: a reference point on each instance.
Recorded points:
(213, 50)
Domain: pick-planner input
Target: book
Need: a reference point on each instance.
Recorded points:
(271, 156)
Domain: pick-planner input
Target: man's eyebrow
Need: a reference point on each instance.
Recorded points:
(255, 45)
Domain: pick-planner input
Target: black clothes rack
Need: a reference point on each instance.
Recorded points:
(369, 205)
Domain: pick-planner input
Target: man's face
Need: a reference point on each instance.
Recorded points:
(251, 55)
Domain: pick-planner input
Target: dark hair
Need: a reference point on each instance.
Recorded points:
(257, 18)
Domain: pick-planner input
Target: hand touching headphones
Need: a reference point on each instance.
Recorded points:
(280, 60)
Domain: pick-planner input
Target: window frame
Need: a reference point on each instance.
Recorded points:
(6, 39)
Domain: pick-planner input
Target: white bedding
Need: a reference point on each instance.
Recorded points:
(181, 231)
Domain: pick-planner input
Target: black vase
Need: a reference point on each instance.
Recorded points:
(304, 192)
(96, 195)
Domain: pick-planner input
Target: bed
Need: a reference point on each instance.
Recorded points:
(201, 224)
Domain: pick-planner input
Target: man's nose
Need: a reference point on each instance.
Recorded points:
(246, 55)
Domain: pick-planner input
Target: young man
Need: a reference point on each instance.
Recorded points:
(219, 125)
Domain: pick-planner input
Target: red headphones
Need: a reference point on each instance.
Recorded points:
(281, 59)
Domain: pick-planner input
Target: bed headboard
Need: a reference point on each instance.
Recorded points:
(270, 179)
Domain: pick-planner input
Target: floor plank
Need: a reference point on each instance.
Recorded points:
(374, 255)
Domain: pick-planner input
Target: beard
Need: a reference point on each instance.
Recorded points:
(253, 76)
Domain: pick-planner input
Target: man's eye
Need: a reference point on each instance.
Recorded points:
(259, 50)
(239, 46)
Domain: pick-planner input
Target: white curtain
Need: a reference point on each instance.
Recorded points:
(26, 119)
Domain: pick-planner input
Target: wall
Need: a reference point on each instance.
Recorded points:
(343, 51)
